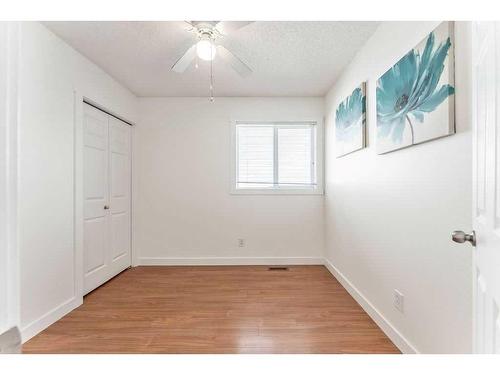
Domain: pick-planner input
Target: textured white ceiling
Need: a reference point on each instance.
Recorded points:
(287, 58)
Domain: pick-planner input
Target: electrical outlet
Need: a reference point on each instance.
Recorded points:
(241, 242)
(399, 300)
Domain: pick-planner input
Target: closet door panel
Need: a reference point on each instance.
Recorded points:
(120, 237)
(120, 177)
(95, 197)
(96, 239)
(95, 182)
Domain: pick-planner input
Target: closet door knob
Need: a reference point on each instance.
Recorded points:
(106, 207)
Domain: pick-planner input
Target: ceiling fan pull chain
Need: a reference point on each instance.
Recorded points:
(211, 78)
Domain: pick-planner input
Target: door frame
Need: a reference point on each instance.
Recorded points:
(79, 100)
(9, 254)
(474, 198)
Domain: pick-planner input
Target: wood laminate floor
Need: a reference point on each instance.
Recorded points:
(240, 309)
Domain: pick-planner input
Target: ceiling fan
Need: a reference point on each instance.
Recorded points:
(208, 34)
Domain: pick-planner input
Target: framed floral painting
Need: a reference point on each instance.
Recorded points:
(350, 122)
(415, 98)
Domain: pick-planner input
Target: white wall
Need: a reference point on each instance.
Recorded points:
(49, 74)
(389, 217)
(183, 212)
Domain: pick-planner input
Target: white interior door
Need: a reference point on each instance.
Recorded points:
(106, 197)
(486, 180)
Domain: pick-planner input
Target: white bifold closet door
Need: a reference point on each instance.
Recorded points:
(106, 190)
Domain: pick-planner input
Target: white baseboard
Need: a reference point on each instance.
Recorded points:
(396, 337)
(49, 318)
(230, 261)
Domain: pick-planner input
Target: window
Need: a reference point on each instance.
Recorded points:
(276, 157)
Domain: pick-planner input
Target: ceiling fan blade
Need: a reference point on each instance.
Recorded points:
(241, 68)
(200, 23)
(185, 60)
(191, 25)
(227, 27)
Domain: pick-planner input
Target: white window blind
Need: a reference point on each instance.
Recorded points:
(255, 156)
(275, 156)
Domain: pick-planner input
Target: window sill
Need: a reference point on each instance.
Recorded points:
(235, 191)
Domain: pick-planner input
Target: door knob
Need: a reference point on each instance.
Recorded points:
(106, 207)
(461, 237)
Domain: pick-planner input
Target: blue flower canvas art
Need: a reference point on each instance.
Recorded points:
(350, 122)
(415, 98)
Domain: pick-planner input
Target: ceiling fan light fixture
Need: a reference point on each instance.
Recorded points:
(206, 50)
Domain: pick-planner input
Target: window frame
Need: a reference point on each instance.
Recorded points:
(317, 145)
